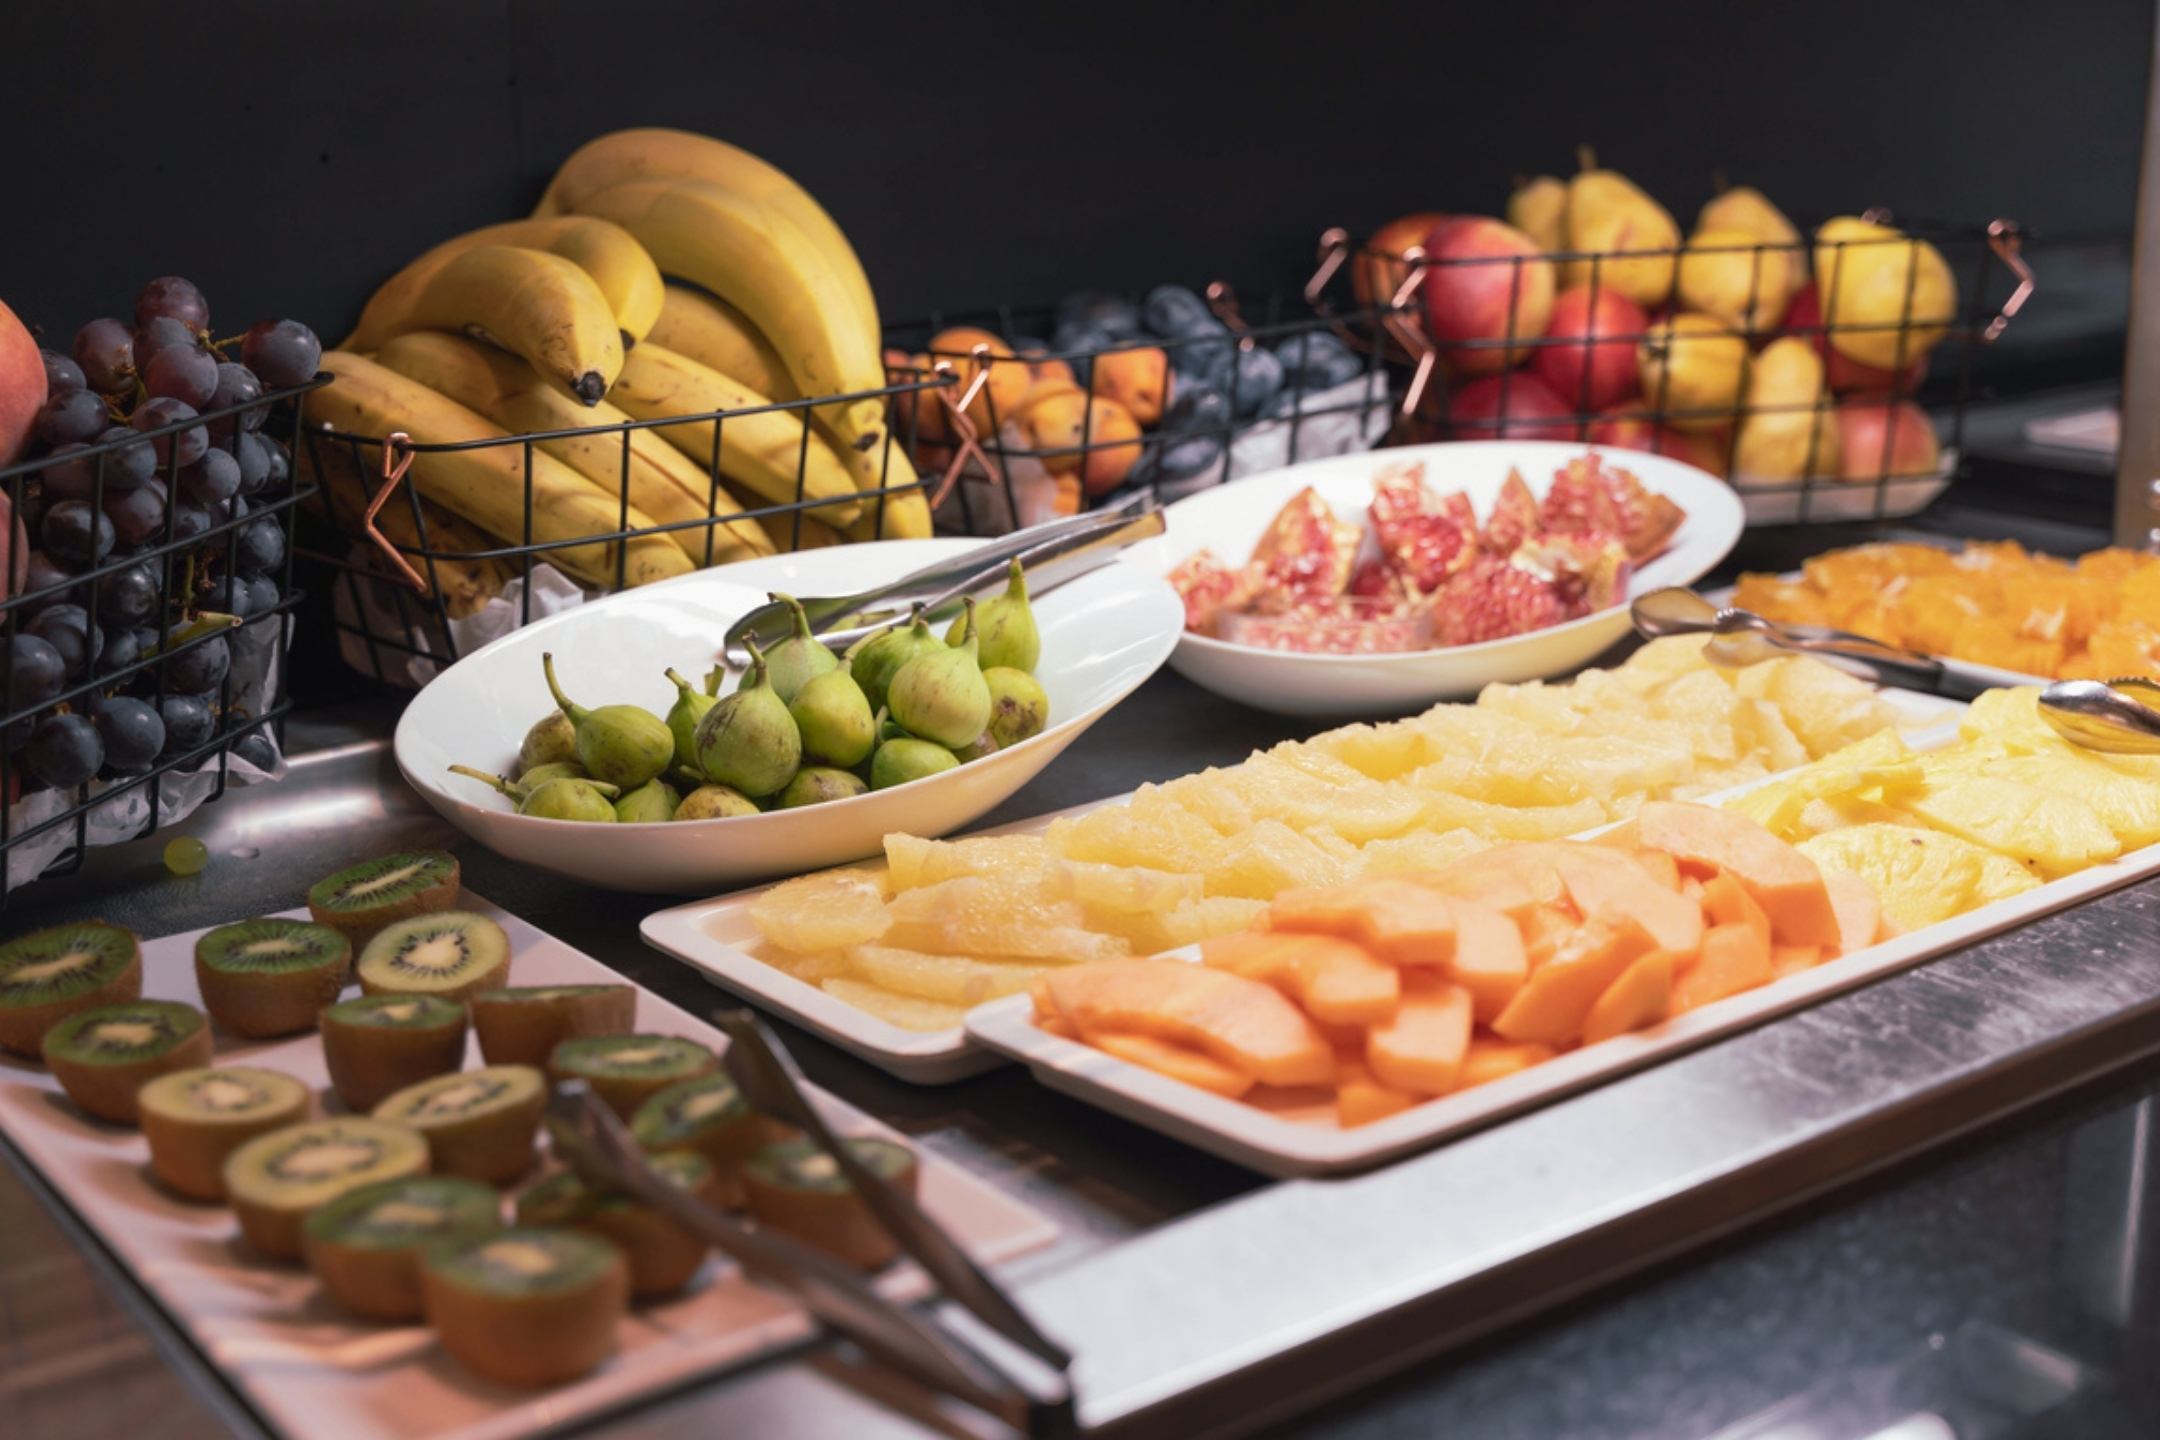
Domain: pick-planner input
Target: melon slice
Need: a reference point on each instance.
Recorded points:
(1552, 1006)
(1544, 928)
(1179, 1062)
(1400, 921)
(1726, 902)
(1360, 1098)
(1859, 913)
(1513, 879)
(1242, 1023)
(1602, 881)
(1792, 959)
(1785, 883)
(1733, 959)
(1490, 959)
(1337, 981)
(1490, 1059)
(1641, 996)
(1420, 1048)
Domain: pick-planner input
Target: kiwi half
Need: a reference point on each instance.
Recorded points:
(376, 1045)
(270, 976)
(276, 1180)
(627, 1070)
(366, 1245)
(707, 1116)
(453, 954)
(663, 1255)
(195, 1119)
(102, 1057)
(797, 1188)
(48, 975)
(527, 1305)
(523, 1025)
(361, 899)
(479, 1123)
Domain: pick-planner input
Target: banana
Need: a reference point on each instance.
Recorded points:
(764, 452)
(903, 516)
(789, 531)
(463, 586)
(657, 154)
(487, 485)
(617, 264)
(504, 389)
(757, 260)
(699, 327)
(530, 303)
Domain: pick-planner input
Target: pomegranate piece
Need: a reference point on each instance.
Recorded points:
(1425, 538)
(1304, 556)
(1590, 496)
(1209, 587)
(1491, 598)
(1514, 518)
(1375, 579)
(1588, 571)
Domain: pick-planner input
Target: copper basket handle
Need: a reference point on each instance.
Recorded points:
(397, 458)
(1408, 333)
(963, 428)
(2008, 243)
(1334, 250)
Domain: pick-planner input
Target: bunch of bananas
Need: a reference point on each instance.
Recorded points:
(664, 274)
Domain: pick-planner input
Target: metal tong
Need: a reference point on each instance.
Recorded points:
(1741, 637)
(1052, 553)
(2120, 716)
(980, 1348)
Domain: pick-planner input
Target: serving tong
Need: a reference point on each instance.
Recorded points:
(1052, 553)
(2121, 716)
(977, 1346)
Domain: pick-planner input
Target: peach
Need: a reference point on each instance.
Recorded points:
(1593, 373)
(1138, 379)
(1488, 281)
(1010, 376)
(22, 385)
(1880, 438)
(1377, 272)
(1063, 420)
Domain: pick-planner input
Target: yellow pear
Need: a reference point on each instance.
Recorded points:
(1607, 215)
(1886, 298)
(1693, 367)
(1791, 425)
(1538, 208)
(1746, 209)
(1737, 278)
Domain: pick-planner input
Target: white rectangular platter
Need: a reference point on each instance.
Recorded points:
(1285, 1144)
(718, 937)
(313, 1373)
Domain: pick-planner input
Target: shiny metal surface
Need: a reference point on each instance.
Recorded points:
(2118, 716)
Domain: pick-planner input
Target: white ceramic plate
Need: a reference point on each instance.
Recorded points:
(312, 1372)
(1103, 634)
(1831, 501)
(1230, 519)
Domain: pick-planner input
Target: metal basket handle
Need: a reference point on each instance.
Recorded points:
(2008, 243)
(956, 415)
(397, 458)
(1336, 248)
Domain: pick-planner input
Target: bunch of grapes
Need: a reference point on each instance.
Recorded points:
(112, 590)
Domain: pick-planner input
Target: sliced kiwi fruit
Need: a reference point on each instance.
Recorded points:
(195, 1119)
(361, 899)
(627, 1070)
(663, 1255)
(270, 976)
(453, 954)
(376, 1045)
(48, 975)
(707, 1116)
(795, 1187)
(531, 1305)
(276, 1181)
(522, 1025)
(480, 1124)
(102, 1057)
(366, 1245)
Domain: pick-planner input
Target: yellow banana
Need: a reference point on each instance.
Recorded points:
(617, 264)
(486, 485)
(790, 531)
(463, 586)
(757, 260)
(886, 517)
(530, 303)
(704, 328)
(765, 452)
(657, 154)
(660, 480)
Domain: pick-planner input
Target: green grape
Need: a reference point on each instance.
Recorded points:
(186, 855)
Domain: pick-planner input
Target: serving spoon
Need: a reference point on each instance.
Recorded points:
(1741, 637)
(2121, 716)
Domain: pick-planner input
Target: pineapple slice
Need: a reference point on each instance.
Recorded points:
(827, 911)
(1367, 810)
(1444, 811)
(948, 979)
(1130, 889)
(1210, 796)
(1920, 876)
(1165, 837)
(2052, 833)
(906, 1011)
(1205, 919)
(1825, 707)
(812, 969)
(1016, 916)
(1380, 752)
(1269, 859)
(2128, 806)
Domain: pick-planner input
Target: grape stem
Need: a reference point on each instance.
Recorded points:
(229, 342)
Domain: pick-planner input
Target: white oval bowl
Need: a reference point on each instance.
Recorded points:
(1230, 520)
(1103, 634)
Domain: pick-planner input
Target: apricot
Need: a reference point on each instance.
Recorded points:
(1138, 379)
(1009, 380)
(1179, 1062)
(1241, 1023)
(1064, 422)
(1489, 1060)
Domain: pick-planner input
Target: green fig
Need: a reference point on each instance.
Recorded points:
(800, 658)
(835, 720)
(651, 801)
(620, 744)
(682, 717)
(748, 740)
(714, 802)
(1005, 630)
(983, 744)
(939, 694)
(899, 761)
(877, 662)
(888, 728)
(554, 770)
(816, 784)
(551, 741)
(1018, 707)
(563, 798)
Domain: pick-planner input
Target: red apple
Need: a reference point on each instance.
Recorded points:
(22, 385)
(1373, 279)
(1626, 427)
(1610, 364)
(1881, 438)
(1532, 411)
(1844, 375)
(1488, 281)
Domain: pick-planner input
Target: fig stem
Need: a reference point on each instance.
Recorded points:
(547, 667)
(680, 684)
(497, 782)
(1015, 581)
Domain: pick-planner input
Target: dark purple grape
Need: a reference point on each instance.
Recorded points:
(76, 533)
(182, 373)
(132, 730)
(283, 352)
(127, 597)
(127, 466)
(105, 351)
(188, 444)
(236, 385)
(258, 750)
(64, 751)
(200, 668)
(263, 595)
(61, 373)
(71, 417)
(41, 575)
(217, 476)
(190, 520)
(121, 650)
(261, 549)
(189, 723)
(279, 480)
(253, 457)
(229, 596)
(138, 516)
(37, 672)
(67, 629)
(234, 509)
(174, 298)
(160, 333)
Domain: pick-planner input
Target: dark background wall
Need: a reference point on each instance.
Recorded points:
(289, 155)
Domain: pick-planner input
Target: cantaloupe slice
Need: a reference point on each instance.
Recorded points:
(1239, 1022)
(1641, 996)
(1733, 959)
(1726, 902)
(1513, 879)
(1054, 1024)
(1337, 981)
(1179, 1062)
(1552, 1005)
(1544, 928)
(1420, 1047)
(1792, 959)
(1660, 864)
(1361, 1099)
(1627, 835)
(1490, 961)
(1400, 921)
(1490, 1059)
(1785, 883)
(1601, 881)
(1859, 913)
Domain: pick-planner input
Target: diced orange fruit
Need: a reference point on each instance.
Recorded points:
(1785, 883)
(1179, 1062)
(1361, 1099)
(1641, 996)
(1420, 1048)
(1490, 1059)
(1552, 1006)
(1337, 981)
(1859, 913)
(1398, 920)
(1490, 961)
(1240, 1022)
(1725, 901)
(1602, 881)
(1791, 959)
(1733, 959)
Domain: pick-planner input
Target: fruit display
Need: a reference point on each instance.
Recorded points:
(947, 925)
(1424, 571)
(1372, 996)
(1990, 602)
